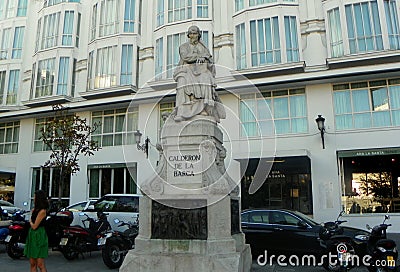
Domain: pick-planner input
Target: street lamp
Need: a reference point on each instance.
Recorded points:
(321, 126)
(144, 147)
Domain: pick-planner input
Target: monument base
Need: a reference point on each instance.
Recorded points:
(178, 256)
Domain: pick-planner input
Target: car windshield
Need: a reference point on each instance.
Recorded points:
(305, 218)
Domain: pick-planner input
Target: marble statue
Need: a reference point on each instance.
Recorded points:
(195, 77)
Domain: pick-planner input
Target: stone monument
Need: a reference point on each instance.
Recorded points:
(190, 212)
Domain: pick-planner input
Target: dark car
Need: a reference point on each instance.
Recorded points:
(284, 232)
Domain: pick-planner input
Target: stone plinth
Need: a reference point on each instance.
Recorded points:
(189, 215)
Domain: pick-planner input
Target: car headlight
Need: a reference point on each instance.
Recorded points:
(395, 249)
(381, 249)
(361, 237)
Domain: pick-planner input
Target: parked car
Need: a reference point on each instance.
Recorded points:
(80, 206)
(11, 208)
(125, 207)
(281, 231)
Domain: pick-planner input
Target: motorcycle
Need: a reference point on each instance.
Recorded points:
(335, 244)
(117, 244)
(383, 251)
(19, 228)
(78, 240)
(4, 224)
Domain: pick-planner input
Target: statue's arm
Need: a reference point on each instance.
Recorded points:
(187, 56)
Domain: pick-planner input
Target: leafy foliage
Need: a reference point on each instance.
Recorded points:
(67, 136)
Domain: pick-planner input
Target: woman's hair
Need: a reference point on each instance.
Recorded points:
(41, 200)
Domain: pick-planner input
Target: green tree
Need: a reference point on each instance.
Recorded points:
(67, 136)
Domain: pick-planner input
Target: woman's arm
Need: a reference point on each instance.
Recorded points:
(41, 216)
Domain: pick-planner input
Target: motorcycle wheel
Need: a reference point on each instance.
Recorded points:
(13, 250)
(69, 250)
(112, 257)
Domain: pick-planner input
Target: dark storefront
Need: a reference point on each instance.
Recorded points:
(286, 183)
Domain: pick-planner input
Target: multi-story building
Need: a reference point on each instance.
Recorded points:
(281, 63)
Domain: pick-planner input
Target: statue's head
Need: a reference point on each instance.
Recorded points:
(194, 29)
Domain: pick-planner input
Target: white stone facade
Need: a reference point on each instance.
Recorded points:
(112, 58)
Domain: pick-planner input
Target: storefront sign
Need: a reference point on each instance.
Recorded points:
(369, 152)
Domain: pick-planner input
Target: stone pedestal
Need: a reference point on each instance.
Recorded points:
(189, 215)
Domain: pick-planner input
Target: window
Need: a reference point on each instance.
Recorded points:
(18, 41)
(13, 86)
(38, 144)
(105, 68)
(78, 27)
(392, 22)
(363, 27)
(292, 45)
(93, 23)
(202, 8)
(367, 104)
(159, 65)
(239, 4)
(68, 28)
(50, 30)
(22, 7)
(173, 43)
(10, 8)
(160, 12)
(117, 126)
(48, 180)
(63, 75)
(45, 77)
(370, 180)
(37, 41)
(280, 112)
(126, 64)
(5, 43)
(114, 180)
(240, 47)
(260, 2)
(90, 70)
(48, 3)
(108, 17)
(2, 84)
(335, 32)
(265, 44)
(9, 137)
(179, 10)
(165, 110)
(129, 16)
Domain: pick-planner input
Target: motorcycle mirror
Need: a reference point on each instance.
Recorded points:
(368, 227)
(116, 220)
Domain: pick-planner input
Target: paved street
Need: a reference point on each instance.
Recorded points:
(94, 262)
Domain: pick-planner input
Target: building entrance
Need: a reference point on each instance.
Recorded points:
(286, 186)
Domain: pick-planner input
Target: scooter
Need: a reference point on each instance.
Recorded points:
(4, 224)
(18, 231)
(78, 240)
(117, 244)
(383, 251)
(336, 245)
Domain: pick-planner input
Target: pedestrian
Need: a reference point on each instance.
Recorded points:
(36, 247)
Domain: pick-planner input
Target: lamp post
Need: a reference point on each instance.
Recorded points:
(144, 147)
(321, 126)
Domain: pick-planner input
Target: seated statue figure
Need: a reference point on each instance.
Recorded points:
(195, 77)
